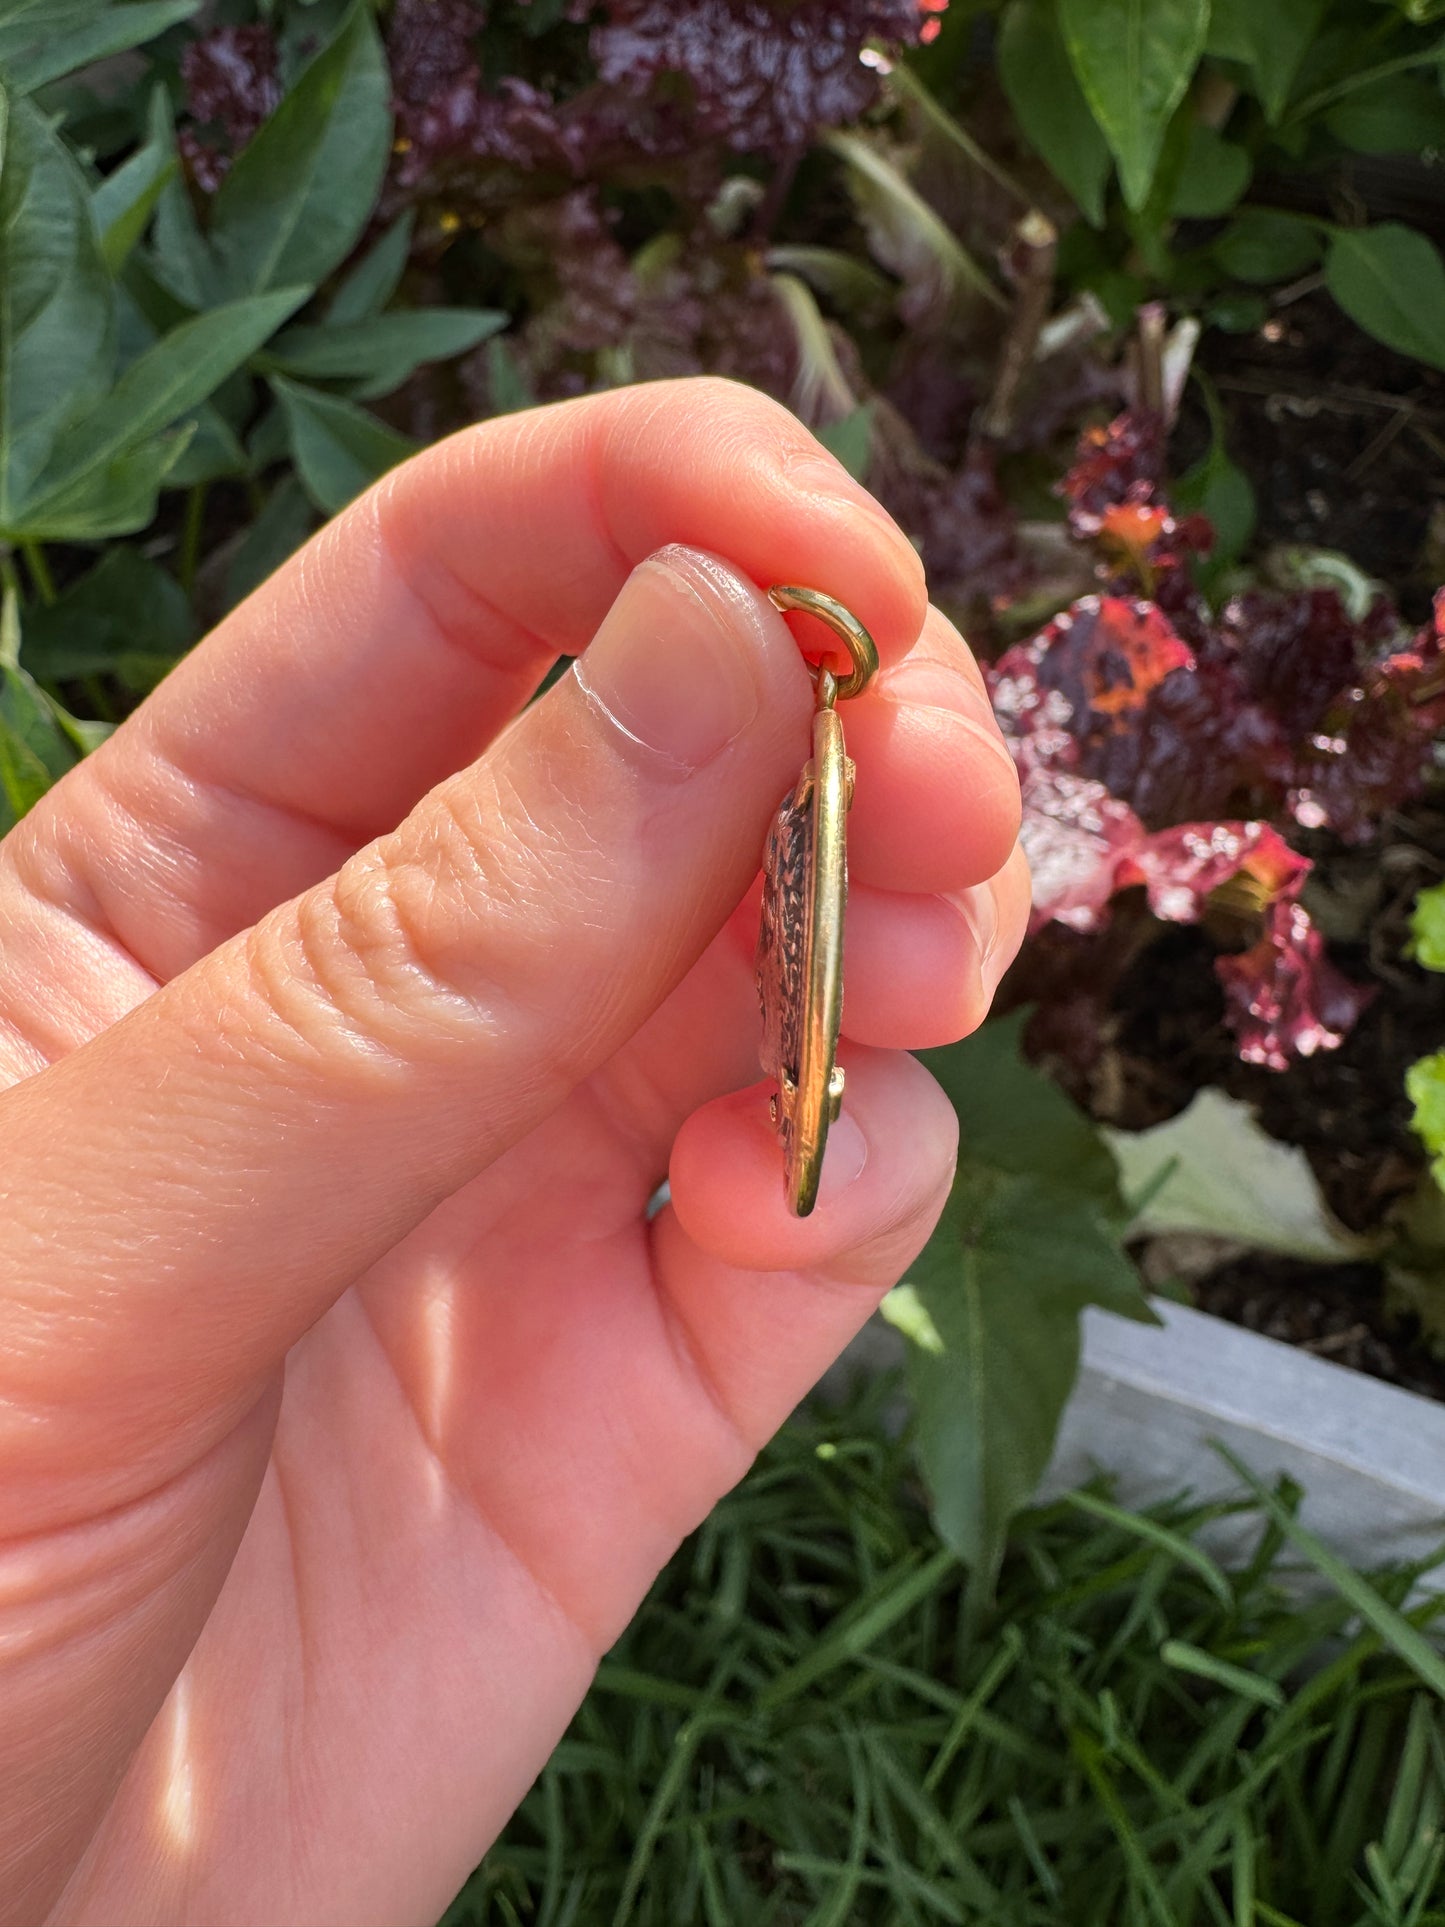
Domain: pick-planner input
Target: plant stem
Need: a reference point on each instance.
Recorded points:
(776, 193)
(1327, 96)
(99, 698)
(39, 568)
(1150, 357)
(1031, 260)
(190, 556)
(10, 576)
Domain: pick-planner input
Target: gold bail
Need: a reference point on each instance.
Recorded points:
(862, 651)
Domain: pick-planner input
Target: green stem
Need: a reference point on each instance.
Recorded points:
(1327, 96)
(191, 537)
(10, 576)
(904, 81)
(39, 568)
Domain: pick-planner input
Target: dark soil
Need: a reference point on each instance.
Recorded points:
(1341, 1314)
(1343, 440)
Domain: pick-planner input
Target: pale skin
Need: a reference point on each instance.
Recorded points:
(351, 1011)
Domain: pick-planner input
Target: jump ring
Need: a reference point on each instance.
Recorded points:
(862, 651)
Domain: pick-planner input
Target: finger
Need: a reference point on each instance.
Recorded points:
(922, 970)
(936, 805)
(390, 650)
(915, 976)
(735, 1263)
(285, 1111)
(587, 1417)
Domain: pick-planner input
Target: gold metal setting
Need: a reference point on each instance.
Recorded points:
(805, 892)
(845, 625)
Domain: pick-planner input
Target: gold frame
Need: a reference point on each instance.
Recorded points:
(805, 1106)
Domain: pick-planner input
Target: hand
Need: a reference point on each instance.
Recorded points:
(348, 1401)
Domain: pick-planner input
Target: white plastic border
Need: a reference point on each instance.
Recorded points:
(1369, 1457)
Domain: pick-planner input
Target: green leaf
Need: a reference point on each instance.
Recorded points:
(906, 234)
(1425, 1087)
(1393, 1629)
(1028, 1238)
(57, 310)
(1415, 1263)
(1391, 281)
(213, 454)
(847, 282)
(1401, 114)
(125, 201)
(1216, 488)
(367, 288)
(1427, 928)
(40, 43)
(851, 440)
(275, 535)
(1212, 175)
(269, 440)
(1186, 1658)
(1017, 1120)
(127, 618)
(1045, 95)
(1224, 1176)
(115, 498)
(1134, 59)
(34, 749)
(167, 381)
(1270, 40)
(820, 387)
(1261, 246)
(339, 449)
(298, 197)
(179, 259)
(543, 15)
(507, 384)
(383, 351)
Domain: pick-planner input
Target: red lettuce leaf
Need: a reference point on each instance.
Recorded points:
(1181, 867)
(232, 82)
(1283, 997)
(764, 75)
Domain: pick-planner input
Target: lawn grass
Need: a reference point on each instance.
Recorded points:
(806, 1725)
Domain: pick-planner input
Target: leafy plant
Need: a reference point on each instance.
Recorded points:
(138, 334)
(1140, 716)
(279, 250)
(1207, 112)
(1425, 1081)
(1030, 1236)
(795, 1729)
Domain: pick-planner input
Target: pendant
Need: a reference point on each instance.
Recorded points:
(805, 892)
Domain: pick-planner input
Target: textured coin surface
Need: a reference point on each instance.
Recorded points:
(782, 948)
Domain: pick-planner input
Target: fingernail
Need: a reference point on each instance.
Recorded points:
(844, 1156)
(673, 662)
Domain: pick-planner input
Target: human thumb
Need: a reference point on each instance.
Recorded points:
(244, 1144)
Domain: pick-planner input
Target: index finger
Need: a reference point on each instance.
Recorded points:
(390, 650)
(499, 549)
